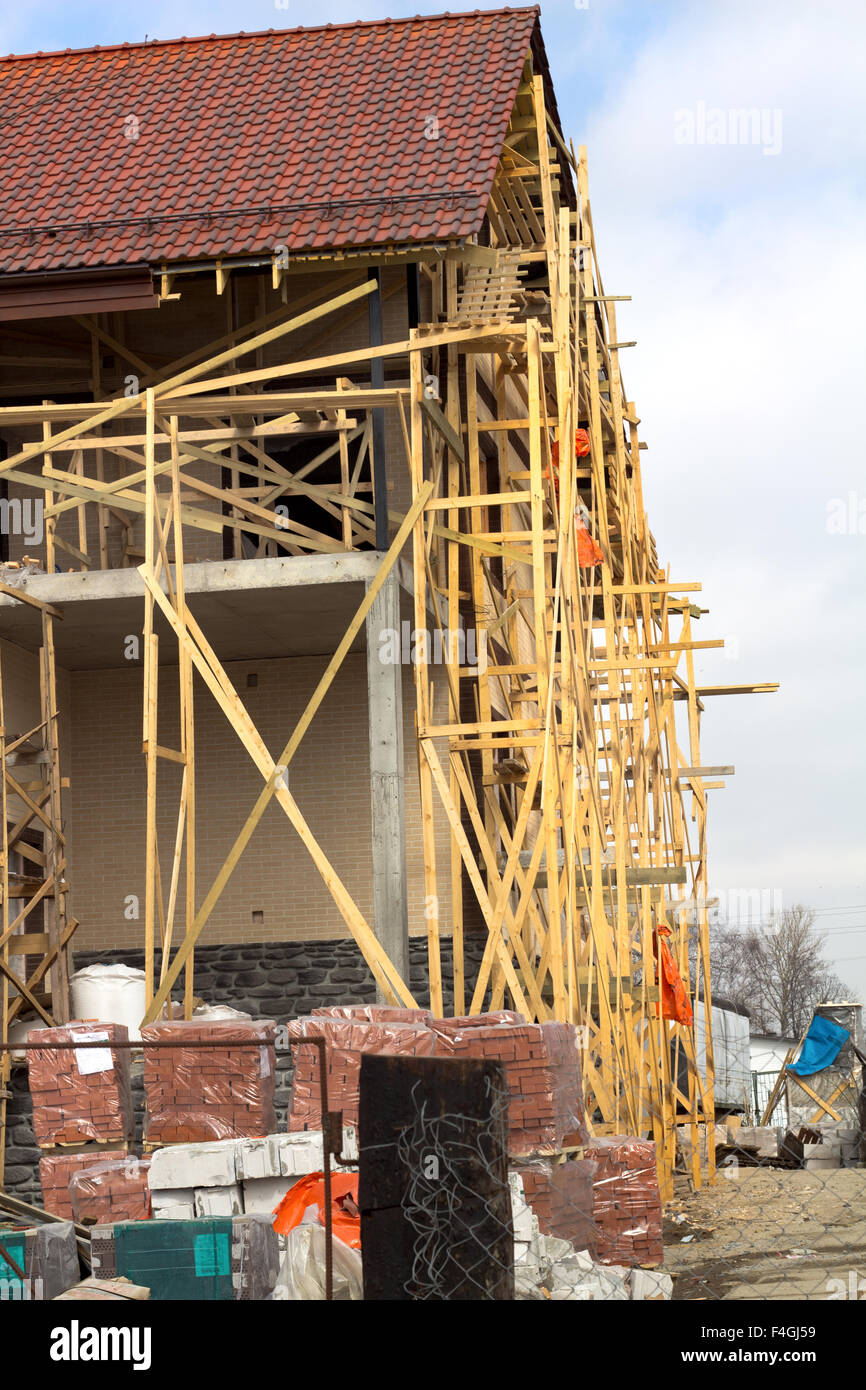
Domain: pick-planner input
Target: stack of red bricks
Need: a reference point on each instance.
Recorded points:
(348, 1034)
(56, 1171)
(542, 1067)
(627, 1206)
(194, 1094)
(112, 1191)
(80, 1095)
(562, 1195)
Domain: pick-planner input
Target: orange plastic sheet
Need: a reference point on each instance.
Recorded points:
(589, 553)
(310, 1191)
(581, 447)
(675, 1001)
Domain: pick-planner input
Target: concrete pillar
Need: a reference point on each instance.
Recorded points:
(387, 790)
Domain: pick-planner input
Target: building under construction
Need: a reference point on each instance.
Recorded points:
(330, 605)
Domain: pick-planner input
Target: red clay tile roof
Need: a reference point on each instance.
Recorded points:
(196, 148)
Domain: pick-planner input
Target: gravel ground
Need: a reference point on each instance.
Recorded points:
(770, 1233)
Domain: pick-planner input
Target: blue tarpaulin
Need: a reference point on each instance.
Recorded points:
(821, 1046)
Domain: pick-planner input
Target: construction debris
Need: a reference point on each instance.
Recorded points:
(549, 1268)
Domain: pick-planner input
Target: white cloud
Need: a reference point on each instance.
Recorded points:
(748, 302)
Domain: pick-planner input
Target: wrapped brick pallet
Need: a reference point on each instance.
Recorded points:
(542, 1064)
(194, 1094)
(113, 1191)
(562, 1196)
(626, 1205)
(80, 1095)
(56, 1171)
(346, 1040)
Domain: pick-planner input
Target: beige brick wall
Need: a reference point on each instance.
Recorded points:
(329, 778)
(21, 706)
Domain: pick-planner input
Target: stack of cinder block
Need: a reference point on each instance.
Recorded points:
(542, 1067)
(80, 1095)
(626, 1205)
(113, 1191)
(56, 1171)
(347, 1037)
(195, 1094)
(225, 1178)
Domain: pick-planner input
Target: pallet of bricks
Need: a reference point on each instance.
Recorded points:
(83, 1123)
(545, 1114)
(626, 1202)
(542, 1064)
(216, 1082)
(83, 1115)
(600, 1194)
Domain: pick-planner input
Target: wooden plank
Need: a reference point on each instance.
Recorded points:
(286, 755)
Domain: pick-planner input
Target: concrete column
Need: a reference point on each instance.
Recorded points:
(387, 790)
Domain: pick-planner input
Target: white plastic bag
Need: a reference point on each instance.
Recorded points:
(302, 1272)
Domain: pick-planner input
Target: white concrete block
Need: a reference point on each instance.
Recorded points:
(265, 1194)
(764, 1138)
(301, 1153)
(259, 1158)
(350, 1142)
(194, 1165)
(219, 1201)
(523, 1218)
(178, 1211)
(173, 1203)
(651, 1284)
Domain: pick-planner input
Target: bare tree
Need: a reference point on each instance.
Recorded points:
(777, 972)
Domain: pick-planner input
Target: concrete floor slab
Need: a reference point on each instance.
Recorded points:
(248, 609)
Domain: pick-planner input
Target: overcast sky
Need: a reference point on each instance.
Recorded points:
(744, 260)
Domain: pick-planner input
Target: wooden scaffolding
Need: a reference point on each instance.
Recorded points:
(575, 796)
(35, 928)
